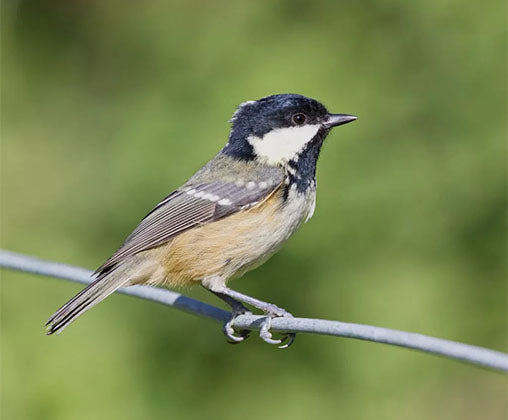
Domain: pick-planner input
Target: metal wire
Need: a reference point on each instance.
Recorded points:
(472, 354)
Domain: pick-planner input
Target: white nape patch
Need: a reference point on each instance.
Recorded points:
(243, 104)
(281, 145)
(246, 103)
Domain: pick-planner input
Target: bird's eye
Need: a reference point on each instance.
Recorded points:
(299, 119)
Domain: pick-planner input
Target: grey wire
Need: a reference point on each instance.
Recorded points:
(472, 354)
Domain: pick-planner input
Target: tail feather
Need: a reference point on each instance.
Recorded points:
(94, 293)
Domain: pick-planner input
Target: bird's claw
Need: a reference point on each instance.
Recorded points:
(264, 332)
(229, 330)
(266, 335)
(287, 340)
(230, 333)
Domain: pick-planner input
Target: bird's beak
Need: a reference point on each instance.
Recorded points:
(338, 119)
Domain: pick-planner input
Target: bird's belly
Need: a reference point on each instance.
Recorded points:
(233, 245)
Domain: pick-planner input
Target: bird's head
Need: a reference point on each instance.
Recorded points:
(277, 129)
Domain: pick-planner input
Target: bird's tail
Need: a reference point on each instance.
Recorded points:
(86, 299)
(126, 274)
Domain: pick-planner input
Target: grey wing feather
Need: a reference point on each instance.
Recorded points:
(186, 208)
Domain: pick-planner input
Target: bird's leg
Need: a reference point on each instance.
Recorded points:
(271, 310)
(236, 309)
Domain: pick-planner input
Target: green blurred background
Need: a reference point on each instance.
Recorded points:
(107, 106)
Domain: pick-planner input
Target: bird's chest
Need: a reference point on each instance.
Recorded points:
(272, 225)
(297, 207)
(242, 241)
(265, 228)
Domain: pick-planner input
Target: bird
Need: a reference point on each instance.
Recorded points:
(230, 217)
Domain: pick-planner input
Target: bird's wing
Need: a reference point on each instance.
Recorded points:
(187, 207)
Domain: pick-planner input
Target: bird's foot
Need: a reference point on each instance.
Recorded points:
(264, 333)
(229, 330)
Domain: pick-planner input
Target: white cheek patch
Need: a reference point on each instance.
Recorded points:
(283, 144)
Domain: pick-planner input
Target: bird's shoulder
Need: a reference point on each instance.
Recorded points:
(227, 169)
